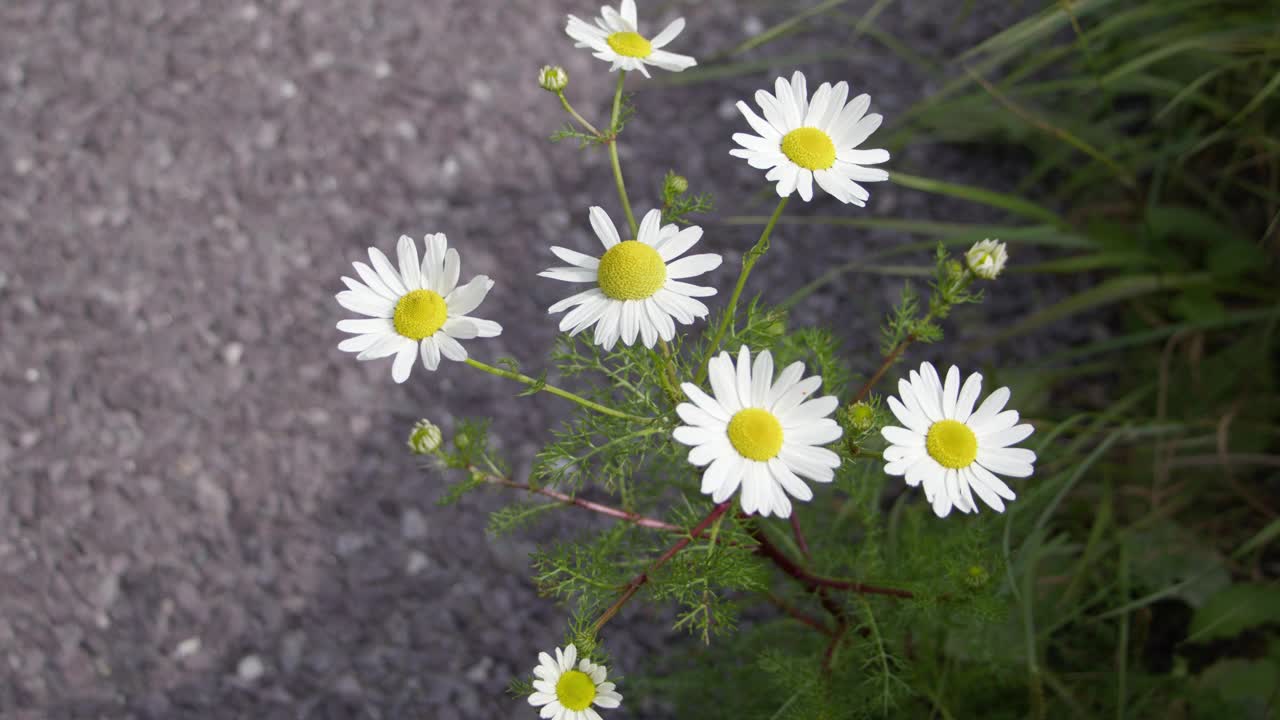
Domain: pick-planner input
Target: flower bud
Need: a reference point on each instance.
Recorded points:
(425, 438)
(987, 258)
(677, 184)
(977, 577)
(553, 78)
(863, 416)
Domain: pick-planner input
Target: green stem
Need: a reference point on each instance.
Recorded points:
(748, 262)
(574, 113)
(613, 154)
(544, 387)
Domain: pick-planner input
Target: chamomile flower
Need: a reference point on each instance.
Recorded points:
(951, 448)
(566, 692)
(803, 140)
(759, 432)
(616, 38)
(638, 286)
(418, 308)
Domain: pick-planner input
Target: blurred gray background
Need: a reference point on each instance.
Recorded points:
(206, 510)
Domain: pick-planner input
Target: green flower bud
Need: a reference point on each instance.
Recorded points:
(677, 184)
(425, 438)
(553, 78)
(863, 416)
(977, 576)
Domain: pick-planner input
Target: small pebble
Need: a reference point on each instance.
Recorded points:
(250, 669)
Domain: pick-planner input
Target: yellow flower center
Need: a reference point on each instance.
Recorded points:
(952, 444)
(756, 434)
(629, 44)
(575, 690)
(420, 314)
(631, 270)
(810, 148)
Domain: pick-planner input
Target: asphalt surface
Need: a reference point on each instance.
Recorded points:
(206, 510)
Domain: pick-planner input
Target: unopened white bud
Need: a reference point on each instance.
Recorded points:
(987, 258)
(553, 78)
(425, 438)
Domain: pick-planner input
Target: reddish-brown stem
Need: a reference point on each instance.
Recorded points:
(799, 614)
(889, 360)
(638, 581)
(789, 566)
(634, 518)
(800, 541)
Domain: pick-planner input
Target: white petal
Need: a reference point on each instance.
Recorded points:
(430, 353)
(742, 376)
(669, 61)
(989, 408)
(722, 376)
(1005, 438)
(762, 127)
(650, 231)
(705, 403)
(629, 14)
(789, 481)
(449, 277)
(951, 392)
(688, 290)
(450, 348)
(468, 297)
(460, 328)
(693, 265)
(405, 357)
(367, 325)
(810, 411)
(797, 394)
(668, 34)
(374, 281)
(385, 271)
(1007, 461)
(817, 433)
(386, 345)
(786, 380)
(366, 303)
(726, 472)
(914, 421)
(968, 396)
(604, 227)
(571, 274)
(679, 243)
(577, 299)
(575, 258)
(360, 343)
(761, 379)
(407, 254)
(863, 157)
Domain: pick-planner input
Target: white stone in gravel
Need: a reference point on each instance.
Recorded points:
(413, 525)
(232, 352)
(31, 375)
(479, 672)
(417, 563)
(187, 648)
(381, 69)
(752, 26)
(250, 668)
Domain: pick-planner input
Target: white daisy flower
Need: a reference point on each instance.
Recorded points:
(568, 693)
(802, 140)
(952, 448)
(987, 258)
(419, 307)
(638, 288)
(759, 432)
(616, 38)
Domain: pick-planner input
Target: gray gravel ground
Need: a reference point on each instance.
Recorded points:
(206, 510)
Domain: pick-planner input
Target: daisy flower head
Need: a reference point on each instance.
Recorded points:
(568, 692)
(802, 140)
(637, 284)
(419, 308)
(954, 450)
(616, 38)
(759, 432)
